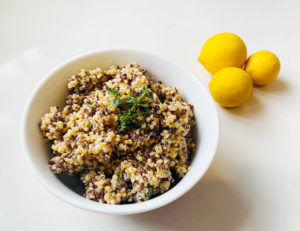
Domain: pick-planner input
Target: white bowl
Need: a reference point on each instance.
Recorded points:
(53, 89)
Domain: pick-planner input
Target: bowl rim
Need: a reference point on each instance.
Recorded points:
(126, 208)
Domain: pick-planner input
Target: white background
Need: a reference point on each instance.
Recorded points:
(254, 180)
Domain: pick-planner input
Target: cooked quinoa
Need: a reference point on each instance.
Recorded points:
(119, 162)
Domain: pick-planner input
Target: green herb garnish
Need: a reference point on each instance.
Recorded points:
(134, 109)
(113, 92)
(149, 194)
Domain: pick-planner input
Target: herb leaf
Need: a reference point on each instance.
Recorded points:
(149, 194)
(130, 99)
(132, 107)
(113, 92)
(150, 94)
(117, 102)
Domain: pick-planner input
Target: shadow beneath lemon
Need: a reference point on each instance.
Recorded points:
(276, 87)
(251, 108)
(211, 205)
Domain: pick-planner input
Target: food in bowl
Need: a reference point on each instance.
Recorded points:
(125, 135)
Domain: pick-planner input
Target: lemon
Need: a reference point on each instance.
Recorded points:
(263, 67)
(223, 50)
(231, 87)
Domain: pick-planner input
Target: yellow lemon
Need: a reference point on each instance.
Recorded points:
(223, 50)
(263, 67)
(231, 87)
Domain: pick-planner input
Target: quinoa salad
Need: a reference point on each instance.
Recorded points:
(126, 136)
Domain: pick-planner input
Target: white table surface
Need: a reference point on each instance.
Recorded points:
(254, 180)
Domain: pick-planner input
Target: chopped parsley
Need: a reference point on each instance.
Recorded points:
(134, 109)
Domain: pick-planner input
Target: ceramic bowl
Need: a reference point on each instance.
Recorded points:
(52, 91)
